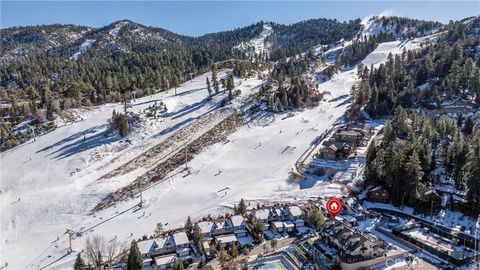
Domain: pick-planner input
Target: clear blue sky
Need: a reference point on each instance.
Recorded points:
(199, 17)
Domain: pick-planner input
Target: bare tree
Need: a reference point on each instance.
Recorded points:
(95, 247)
(111, 250)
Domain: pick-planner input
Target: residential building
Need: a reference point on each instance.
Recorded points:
(182, 244)
(378, 194)
(226, 240)
(165, 262)
(165, 245)
(352, 246)
(239, 225)
(223, 227)
(206, 228)
(262, 215)
(351, 135)
(277, 226)
(276, 214)
(295, 215)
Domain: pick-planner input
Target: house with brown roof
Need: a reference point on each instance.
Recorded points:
(378, 194)
(353, 246)
(332, 149)
(351, 135)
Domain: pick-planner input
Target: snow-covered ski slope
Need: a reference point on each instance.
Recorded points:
(50, 185)
(258, 44)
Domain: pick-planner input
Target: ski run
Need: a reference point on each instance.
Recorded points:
(51, 184)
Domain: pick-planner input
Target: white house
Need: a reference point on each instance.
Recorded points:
(182, 244)
(223, 227)
(206, 228)
(295, 215)
(147, 247)
(262, 215)
(165, 245)
(288, 226)
(239, 225)
(277, 214)
(277, 226)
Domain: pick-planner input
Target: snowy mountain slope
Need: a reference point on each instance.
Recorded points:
(83, 48)
(258, 44)
(55, 176)
(63, 165)
(18, 42)
(399, 27)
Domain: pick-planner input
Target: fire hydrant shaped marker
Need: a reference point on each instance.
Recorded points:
(334, 206)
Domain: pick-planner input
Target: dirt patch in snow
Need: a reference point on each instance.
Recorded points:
(183, 154)
(171, 145)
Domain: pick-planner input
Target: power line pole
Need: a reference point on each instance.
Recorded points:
(141, 193)
(186, 159)
(70, 234)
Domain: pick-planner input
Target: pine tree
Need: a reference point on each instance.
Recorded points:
(222, 256)
(209, 88)
(126, 102)
(46, 94)
(179, 265)
(472, 175)
(234, 251)
(230, 83)
(79, 263)
(134, 261)
(373, 101)
(413, 171)
(242, 208)
(197, 238)
(189, 226)
(175, 83)
(388, 134)
(216, 87)
(159, 229)
(469, 125)
(369, 172)
(274, 243)
(399, 122)
(257, 231)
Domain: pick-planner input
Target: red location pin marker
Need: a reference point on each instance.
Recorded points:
(334, 206)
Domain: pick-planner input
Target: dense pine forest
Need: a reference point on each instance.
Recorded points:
(448, 68)
(404, 160)
(415, 145)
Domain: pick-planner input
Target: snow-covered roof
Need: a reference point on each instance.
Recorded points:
(227, 238)
(262, 214)
(147, 246)
(288, 224)
(225, 224)
(294, 210)
(277, 224)
(277, 211)
(165, 259)
(205, 226)
(237, 220)
(180, 238)
(165, 242)
(343, 176)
